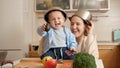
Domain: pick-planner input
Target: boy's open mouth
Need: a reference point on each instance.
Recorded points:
(57, 24)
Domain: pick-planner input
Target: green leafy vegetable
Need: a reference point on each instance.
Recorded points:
(84, 60)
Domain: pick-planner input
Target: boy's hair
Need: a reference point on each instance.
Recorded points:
(84, 60)
(54, 9)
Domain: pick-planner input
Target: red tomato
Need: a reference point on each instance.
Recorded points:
(52, 63)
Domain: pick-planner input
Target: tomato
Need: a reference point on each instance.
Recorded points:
(52, 63)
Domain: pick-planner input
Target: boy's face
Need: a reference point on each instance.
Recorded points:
(56, 19)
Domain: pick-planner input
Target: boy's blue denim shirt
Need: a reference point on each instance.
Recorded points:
(70, 38)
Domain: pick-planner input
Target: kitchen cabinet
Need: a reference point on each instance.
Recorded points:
(73, 5)
(110, 55)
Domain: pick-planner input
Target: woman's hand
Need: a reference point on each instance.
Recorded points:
(89, 27)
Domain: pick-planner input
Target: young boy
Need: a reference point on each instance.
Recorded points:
(58, 39)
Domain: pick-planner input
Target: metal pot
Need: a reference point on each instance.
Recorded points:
(85, 14)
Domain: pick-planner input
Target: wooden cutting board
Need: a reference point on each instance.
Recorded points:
(37, 64)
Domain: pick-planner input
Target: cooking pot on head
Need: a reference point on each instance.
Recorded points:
(85, 14)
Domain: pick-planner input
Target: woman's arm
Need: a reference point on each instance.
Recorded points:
(91, 45)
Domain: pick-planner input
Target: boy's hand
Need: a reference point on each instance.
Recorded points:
(43, 27)
(73, 50)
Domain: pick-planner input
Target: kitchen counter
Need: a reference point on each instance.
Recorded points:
(36, 63)
(108, 43)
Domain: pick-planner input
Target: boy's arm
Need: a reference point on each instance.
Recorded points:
(40, 31)
(71, 40)
(73, 43)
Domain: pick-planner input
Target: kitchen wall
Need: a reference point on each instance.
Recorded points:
(105, 25)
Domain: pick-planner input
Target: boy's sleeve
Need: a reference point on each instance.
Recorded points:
(73, 43)
(72, 40)
(40, 32)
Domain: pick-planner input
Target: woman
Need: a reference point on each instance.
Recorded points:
(82, 27)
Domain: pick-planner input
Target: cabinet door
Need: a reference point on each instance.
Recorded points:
(12, 31)
(93, 5)
(110, 56)
(41, 5)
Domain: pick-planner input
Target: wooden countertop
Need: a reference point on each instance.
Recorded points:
(36, 63)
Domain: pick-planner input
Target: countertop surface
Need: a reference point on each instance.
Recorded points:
(108, 43)
(36, 63)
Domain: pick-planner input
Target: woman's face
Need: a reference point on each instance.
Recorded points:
(77, 26)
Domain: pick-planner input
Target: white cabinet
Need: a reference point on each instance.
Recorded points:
(73, 5)
(92, 5)
(42, 5)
